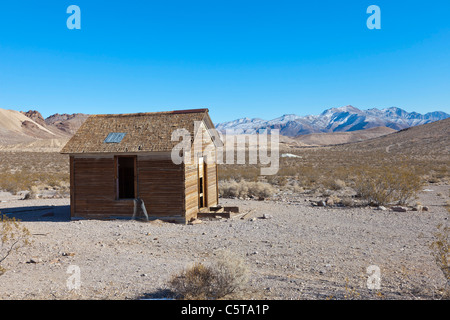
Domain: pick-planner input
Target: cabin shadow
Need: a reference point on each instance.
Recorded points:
(38, 213)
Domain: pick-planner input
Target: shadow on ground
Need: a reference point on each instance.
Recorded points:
(38, 213)
(159, 294)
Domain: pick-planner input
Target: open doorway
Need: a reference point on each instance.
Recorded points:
(202, 186)
(126, 177)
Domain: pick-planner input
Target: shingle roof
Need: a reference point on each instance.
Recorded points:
(144, 132)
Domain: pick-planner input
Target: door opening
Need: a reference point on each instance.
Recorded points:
(202, 186)
(126, 178)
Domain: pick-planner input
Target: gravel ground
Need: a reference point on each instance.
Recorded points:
(298, 252)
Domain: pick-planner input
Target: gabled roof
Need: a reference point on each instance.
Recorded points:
(139, 132)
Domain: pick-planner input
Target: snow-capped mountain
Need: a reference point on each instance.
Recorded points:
(341, 119)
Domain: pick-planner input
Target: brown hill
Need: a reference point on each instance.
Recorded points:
(67, 123)
(29, 131)
(321, 139)
(428, 139)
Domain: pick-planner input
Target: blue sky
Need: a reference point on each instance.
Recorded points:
(237, 58)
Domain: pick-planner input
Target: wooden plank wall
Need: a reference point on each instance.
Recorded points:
(191, 187)
(160, 184)
(191, 174)
(94, 189)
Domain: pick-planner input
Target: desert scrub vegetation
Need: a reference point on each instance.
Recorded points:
(386, 184)
(29, 171)
(224, 276)
(440, 249)
(377, 177)
(245, 189)
(31, 181)
(13, 236)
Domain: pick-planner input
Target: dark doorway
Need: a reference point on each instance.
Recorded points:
(202, 183)
(126, 169)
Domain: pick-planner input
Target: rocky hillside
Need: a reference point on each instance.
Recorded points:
(431, 139)
(29, 131)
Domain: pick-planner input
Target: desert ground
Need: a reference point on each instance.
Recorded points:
(292, 249)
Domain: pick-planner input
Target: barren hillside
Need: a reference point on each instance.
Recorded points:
(428, 139)
(320, 139)
(16, 127)
(29, 131)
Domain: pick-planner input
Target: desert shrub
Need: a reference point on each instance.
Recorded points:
(260, 189)
(32, 194)
(225, 275)
(244, 189)
(441, 250)
(237, 172)
(294, 187)
(386, 184)
(347, 201)
(229, 189)
(193, 283)
(337, 184)
(12, 237)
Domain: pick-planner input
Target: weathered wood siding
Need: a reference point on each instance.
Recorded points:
(94, 189)
(191, 189)
(160, 183)
(161, 186)
(208, 151)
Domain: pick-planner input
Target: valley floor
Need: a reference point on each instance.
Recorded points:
(297, 252)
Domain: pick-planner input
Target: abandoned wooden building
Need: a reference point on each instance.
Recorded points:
(118, 158)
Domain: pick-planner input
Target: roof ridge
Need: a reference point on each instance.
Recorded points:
(151, 113)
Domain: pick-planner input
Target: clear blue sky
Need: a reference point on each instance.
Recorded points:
(237, 58)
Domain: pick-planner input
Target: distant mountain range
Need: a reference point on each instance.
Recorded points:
(31, 132)
(343, 119)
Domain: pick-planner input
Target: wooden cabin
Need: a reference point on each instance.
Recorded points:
(118, 158)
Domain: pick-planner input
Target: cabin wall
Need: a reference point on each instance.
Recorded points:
(159, 183)
(161, 186)
(204, 143)
(93, 190)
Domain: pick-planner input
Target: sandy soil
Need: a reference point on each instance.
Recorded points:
(298, 252)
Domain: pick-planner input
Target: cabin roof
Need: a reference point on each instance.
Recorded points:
(137, 132)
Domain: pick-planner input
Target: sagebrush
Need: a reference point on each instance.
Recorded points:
(245, 189)
(386, 185)
(13, 236)
(225, 275)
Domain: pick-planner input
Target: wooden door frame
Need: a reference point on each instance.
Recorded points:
(116, 176)
(204, 194)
